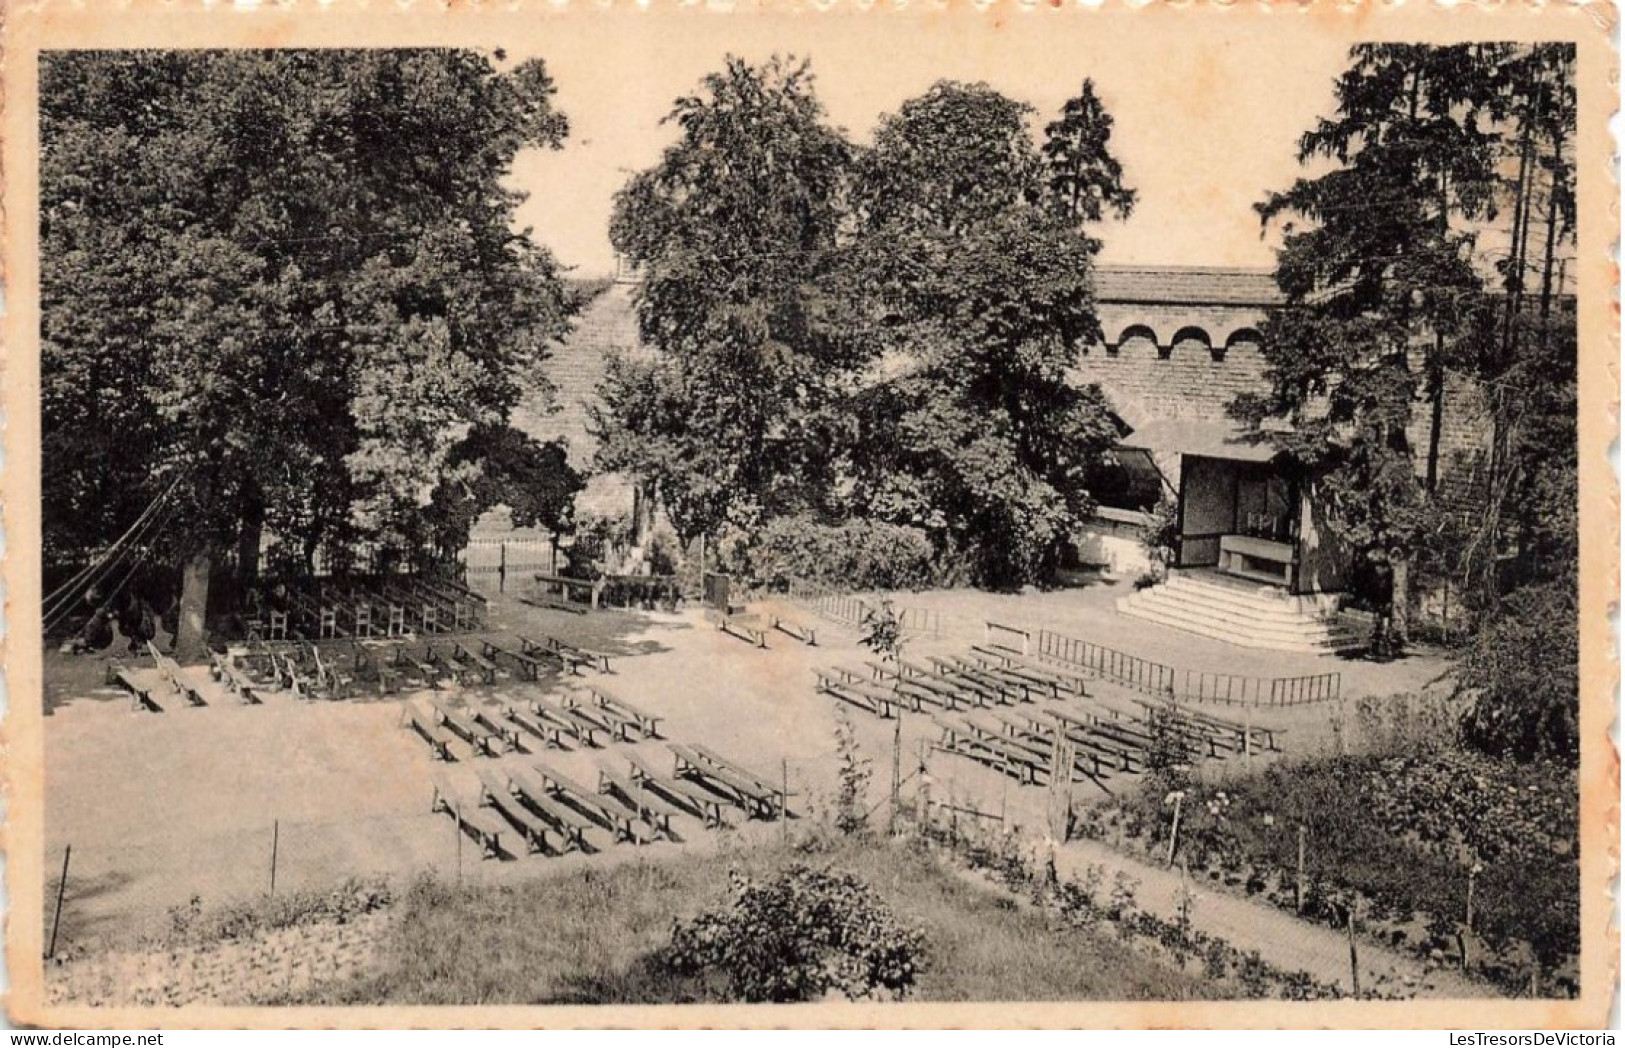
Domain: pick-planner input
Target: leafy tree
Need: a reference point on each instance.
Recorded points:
(981, 295)
(1526, 355)
(289, 278)
(1085, 180)
(731, 231)
(1378, 287)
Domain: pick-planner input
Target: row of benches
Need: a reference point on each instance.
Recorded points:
(584, 715)
(1016, 738)
(390, 607)
(552, 814)
(982, 679)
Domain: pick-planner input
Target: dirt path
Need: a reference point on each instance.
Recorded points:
(1280, 938)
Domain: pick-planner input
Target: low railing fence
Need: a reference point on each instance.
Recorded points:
(1155, 678)
(847, 609)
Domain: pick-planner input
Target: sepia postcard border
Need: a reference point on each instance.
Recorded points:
(33, 28)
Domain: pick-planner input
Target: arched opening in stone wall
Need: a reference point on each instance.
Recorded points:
(1184, 335)
(1240, 336)
(1133, 331)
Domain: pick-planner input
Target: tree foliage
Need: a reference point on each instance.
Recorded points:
(1384, 267)
(880, 332)
(290, 277)
(983, 296)
(799, 936)
(730, 232)
(1085, 180)
(1525, 670)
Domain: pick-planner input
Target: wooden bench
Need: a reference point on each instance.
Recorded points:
(576, 658)
(566, 822)
(359, 612)
(496, 792)
(925, 688)
(425, 613)
(550, 733)
(426, 722)
(238, 683)
(368, 663)
(586, 702)
(1024, 667)
(1089, 756)
(330, 680)
(1221, 725)
(648, 724)
(534, 649)
(140, 695)
(742, 625)
(481, 739)
(999, 688)
(643, 803)
(447, 661)
(1081, 732)
(470, 607)
(171, 671)
(797, 629)
(586, 802)
(501, 727)
(870, 698)
(554, 591)
(708, 806)
(426, 671)
(485, 667)
(968, 741)
(967, 691)
(752, 794)
(472, 820)
(529, 667)
(582, 729)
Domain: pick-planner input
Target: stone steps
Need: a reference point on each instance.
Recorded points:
(1229, 613)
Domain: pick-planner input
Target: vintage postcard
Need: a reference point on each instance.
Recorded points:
(586, 514)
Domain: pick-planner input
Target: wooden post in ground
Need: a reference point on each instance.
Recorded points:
(1059, 815)
(1354, 949)
(276, 834)
(1302, 885)
(1467, 924)
(896, 773)
(1247, 737)
(1173, 836)
(922, 793)
(784, 798)
(457, 830)
(61, 889)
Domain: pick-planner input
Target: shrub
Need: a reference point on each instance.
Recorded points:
(857, 554)
(1524, 669)
(1161, 532)
(799, 936)
(852, 794)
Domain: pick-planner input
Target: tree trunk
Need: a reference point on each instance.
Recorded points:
(190, 638)
(1436, 422)
(1399, 614)
(248, 540)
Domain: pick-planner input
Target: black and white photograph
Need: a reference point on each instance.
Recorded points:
(609, 508)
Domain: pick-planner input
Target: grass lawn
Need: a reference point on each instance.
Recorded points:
(589, 937)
